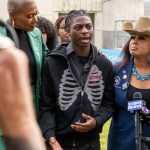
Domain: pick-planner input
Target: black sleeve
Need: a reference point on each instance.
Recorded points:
(47, 103)
(106, 108)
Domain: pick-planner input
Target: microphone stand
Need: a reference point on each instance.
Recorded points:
(140, 141)
(138, 131)
(141, 113)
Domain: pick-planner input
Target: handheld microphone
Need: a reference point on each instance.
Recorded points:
(138, 103)
(138, 106)
(135, 106)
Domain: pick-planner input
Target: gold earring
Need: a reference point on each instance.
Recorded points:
(13, 23)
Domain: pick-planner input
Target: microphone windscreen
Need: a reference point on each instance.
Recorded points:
(137, 95)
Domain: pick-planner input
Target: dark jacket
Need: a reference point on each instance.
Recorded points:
(64, 99)
(39, 50)
(122, 129)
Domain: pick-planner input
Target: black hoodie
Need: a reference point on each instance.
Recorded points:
(63, 99)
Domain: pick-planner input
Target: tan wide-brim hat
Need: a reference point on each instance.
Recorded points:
(142, 26)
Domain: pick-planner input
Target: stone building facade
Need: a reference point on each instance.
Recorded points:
(107, 16)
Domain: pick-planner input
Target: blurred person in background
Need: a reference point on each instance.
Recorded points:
(23, 18)
(48, 31)
(61, 31)
(17, 116)
(132, 75)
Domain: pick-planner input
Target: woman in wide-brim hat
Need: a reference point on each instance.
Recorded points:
(132, 76)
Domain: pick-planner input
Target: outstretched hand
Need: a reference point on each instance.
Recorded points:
(84, 127)
(54, 144)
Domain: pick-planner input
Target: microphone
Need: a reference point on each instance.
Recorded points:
(138, 103)
(134, 107)
(138, 107)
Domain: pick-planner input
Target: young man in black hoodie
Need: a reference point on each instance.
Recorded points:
(76, 91)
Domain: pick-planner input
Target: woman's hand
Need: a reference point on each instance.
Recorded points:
(101, 53)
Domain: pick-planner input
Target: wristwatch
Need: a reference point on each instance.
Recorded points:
(5, 42)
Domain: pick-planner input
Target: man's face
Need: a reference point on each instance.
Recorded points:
(81, 31)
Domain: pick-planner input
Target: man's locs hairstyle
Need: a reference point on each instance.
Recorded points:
(73, 14)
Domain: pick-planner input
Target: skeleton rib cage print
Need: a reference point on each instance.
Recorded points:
(69, 88)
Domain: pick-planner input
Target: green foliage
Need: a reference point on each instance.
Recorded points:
(104, 135)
